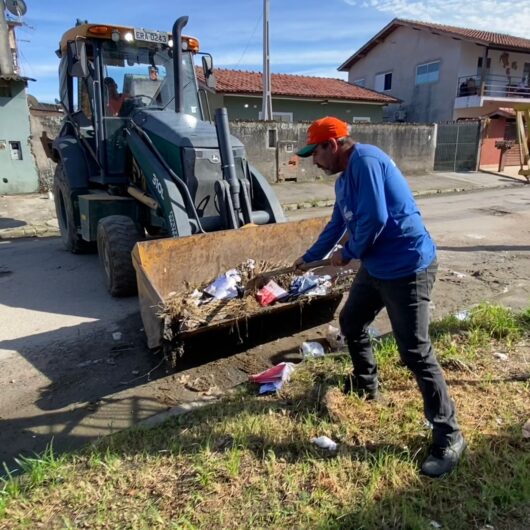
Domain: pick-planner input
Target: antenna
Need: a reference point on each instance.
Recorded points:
(16, 7)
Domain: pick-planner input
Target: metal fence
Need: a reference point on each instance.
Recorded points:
(457, 146)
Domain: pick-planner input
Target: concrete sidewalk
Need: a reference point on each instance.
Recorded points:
(34, 215)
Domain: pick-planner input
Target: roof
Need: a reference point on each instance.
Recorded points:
(34, 104)
(15, 77)
(486, 38)
(296, 86)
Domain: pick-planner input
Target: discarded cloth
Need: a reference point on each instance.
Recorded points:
(308, 284)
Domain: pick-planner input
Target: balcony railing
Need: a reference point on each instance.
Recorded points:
(494, 86)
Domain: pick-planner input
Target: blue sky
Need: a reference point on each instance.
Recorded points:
(308, 37)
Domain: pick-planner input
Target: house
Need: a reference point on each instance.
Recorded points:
(442, 73)
(17, 167)
(295, 98)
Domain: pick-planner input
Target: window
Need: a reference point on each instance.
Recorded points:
(361, 119)
(16, 150)
(383, 82)
(279, 116)
(360, 82)
(273, 138)
(480, 61)
(427, 73)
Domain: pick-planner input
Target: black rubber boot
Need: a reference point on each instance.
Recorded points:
(352, 386)
(442, 460)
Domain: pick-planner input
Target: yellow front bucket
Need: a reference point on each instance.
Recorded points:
(165, 266)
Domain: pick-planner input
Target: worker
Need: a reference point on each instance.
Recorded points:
(114, 99)
(153, 73)
(374, 206)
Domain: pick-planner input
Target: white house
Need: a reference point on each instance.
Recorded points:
(442, 73)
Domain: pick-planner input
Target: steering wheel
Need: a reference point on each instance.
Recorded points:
(139, 98)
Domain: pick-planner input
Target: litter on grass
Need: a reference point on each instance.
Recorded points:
(500, 356)
(335, 338)
(272, 379)
(325, 443)
(312, 349)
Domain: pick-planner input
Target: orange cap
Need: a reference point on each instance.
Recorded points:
(320, 131)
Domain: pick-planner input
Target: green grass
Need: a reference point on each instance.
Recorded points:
(247, 462)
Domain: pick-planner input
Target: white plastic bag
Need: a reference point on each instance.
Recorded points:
(312, 349)
(335, 338)
(325, 443)
(225, 287)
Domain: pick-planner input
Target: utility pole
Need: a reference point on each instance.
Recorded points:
(6, 60)
(266, 111)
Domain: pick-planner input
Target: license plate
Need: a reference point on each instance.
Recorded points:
(150, 36)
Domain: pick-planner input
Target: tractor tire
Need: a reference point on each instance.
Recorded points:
(64, 209)
(117, 235)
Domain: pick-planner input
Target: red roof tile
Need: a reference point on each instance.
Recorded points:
(488, 38)
(300, 86)
(484, 37)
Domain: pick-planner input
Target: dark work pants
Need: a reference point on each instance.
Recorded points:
(407, 303)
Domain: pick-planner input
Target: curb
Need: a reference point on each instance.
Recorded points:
(29, 231)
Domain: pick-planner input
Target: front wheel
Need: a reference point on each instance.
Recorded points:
(117, 235)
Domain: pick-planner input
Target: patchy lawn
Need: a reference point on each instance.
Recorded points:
(247, 461)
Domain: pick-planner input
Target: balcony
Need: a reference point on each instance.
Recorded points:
(473, 92)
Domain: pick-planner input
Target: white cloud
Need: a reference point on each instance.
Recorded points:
(501, 16)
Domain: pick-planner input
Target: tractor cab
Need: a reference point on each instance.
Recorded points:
(108, 72)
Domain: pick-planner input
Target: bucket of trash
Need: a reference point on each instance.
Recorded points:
(193, 288)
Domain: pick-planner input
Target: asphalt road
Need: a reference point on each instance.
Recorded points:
(73, 360)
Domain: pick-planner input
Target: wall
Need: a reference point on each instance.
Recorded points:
(44, 125)
(400, 53)
(248, 108)
(411, 146)
(16, 176)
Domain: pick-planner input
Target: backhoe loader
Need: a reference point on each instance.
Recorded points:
(141, 165)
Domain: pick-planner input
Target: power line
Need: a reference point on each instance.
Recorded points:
(248, 43)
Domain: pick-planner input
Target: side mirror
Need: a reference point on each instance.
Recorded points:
(77, 59)
(207, 68)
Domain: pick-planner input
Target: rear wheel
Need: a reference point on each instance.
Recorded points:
(117, 235)
(64, 209)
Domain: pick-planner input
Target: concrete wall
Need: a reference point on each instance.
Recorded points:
(271, 146)
(400, 53)
(44, 125)
(16, 176)
(411, 146)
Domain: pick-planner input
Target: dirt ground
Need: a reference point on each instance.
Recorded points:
(87, 385)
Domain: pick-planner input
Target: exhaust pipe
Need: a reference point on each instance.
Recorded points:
(227, 159)
(177, 63)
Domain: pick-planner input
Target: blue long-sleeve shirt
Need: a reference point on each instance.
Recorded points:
(374, 203)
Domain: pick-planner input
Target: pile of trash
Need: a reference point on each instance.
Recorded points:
(233, 295)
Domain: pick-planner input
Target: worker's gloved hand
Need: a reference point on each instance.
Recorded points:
(298, 265)
(337, 259)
